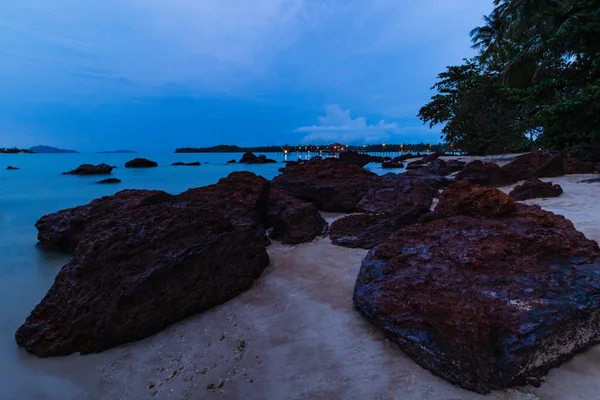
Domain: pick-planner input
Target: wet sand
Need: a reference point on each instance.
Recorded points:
(293, 335)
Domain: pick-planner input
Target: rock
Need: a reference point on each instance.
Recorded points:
(354, 158)
(250, 158)
(109, 181)
(416, 164)
(595, 180)
(585, 153)
(262, 159)
(576, 166)
(455, 165)
(89, 169)
(190, 164)
(11, 168)
(391, 165)
(432, 157)
(315, 158)
(293, 221)
(231, 162)
(437, 167)
(330, 184)
(485, 300)
(380, 159)
(486, 174)
(140, 163)
(403, 157)
(534, 189)
(397, 195)
(135, 273)
(435, 181)
(535, 165)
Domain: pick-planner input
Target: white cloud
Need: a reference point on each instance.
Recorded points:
(338, 126)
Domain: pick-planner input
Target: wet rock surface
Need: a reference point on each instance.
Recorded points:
(293, 221)
(485, 292)
(146, 259)
(89, 169)
(141, 163)
(534, 189)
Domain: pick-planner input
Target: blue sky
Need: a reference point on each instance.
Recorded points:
(154, 75)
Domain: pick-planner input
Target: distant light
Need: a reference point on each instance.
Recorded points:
(384, 145)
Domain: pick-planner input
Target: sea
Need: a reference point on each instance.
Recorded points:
(38, 188)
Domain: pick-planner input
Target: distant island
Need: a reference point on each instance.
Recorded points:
(334, 147)
(117, 152)
(49, 150)
(14, 150)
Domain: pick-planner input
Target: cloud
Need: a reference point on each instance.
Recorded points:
(338, 126)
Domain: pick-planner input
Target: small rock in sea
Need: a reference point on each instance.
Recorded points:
(354, 158)
(250, 158)
(89, 169)
(535, 189)
(231, 162)
(11, 168)
(177, 164)
(190, 164)
(595, 180)
(109, 181)
(391, 165)
(141, 163)
(416, 164)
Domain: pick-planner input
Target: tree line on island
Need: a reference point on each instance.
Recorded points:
(534, 83)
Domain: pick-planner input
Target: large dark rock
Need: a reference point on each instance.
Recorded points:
(293, 221)
(435, 181)
(432, 157)
(166, 258)
(485, 174)
(455, 165)
(330, 184)
(416, 165)
(140, 163)
(535, 165)
(109, 181)
(534, 189)
(397, 194)
(585, 153)
(11, 168)
(190, 164)
(595, 180)
(89, 169)
(250, 158)
(576, 166)
(403, 157)
(491, 295)
(231, 162)
(391, 165)
(354, 158)
(437, 167)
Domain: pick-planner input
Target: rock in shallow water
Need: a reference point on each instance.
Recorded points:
(89, 169)
(487, 294)
(141, 163)
(144, 260)
(534, 189)
(109, 181)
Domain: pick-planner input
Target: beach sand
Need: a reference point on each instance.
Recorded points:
(293, 335)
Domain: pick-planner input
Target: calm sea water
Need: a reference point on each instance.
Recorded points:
(38, 188)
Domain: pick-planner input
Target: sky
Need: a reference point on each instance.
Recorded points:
(154, 75)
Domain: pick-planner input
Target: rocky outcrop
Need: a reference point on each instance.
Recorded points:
(535, 165)
(354, 158)
(595, 180)
(89, 169)
(432, 157)
(293, 221)
(398, 193)
(231, 162)
(140, 163)
(437, 167)
(416, 165)
(11, 168)
(190, 164)
(486, 293)
(576, 166)
(329, 184)
(534, 189)
(455, 165)
(250, 158)
(109, 181)
(391, 165)
(485, 174)
(148, 262)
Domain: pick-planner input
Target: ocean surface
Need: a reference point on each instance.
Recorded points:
(38, 188)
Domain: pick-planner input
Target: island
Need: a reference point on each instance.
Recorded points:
(49, 150)
(329, 148)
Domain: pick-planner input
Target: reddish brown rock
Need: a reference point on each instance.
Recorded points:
(485, 302)
(576, 166)
(154, 265)
(140, 163)
(354, 158)
(329, 184)
(397, 194)
(535, 165)
(455, 165)
(534, 189)
(293, 221)
(89, 169)
(486, 174)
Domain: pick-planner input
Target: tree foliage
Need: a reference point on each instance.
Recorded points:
(536, 79)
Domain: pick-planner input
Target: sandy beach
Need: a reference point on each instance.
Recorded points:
(293, 335)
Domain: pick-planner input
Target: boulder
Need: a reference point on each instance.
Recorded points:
(293, 221)
(248, 158)
(380, 159)
(535, 165)
(109, 181)
(595, 180)
(455, 165)
(576, 166)
(140, 163)
(585, 153)
(397, 194)
(432, 157)
(354, 158)
(534, 189)
(190, 164)
(391, 165)
(135, 273)
(329, 184)
(435, 181)
(485, 174)
(416, 165)
(437, 167)
(403, 157)
(231, 162)
(11, 168)
(89, 169)
(178, 164)
(488, 296)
